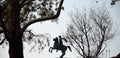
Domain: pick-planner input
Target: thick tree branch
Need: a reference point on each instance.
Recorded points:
(46, 18)
(3, 26)
(5, 5)
(1, 17)
(22, 2)
(102, 50)
(2, 41)
(1, 31)
(25, 2)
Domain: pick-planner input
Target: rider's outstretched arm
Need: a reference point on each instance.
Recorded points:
(64, 39)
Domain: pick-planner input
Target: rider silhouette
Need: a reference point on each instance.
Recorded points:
(60, 42)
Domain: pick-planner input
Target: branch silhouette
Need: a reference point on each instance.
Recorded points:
(45, 18)
(2, 41)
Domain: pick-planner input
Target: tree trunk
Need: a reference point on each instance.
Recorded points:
(16, 47)
(13, 30)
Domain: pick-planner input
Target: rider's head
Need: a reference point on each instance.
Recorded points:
(59, 36)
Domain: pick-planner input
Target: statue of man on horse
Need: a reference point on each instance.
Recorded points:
(58, 45)
(60, 42)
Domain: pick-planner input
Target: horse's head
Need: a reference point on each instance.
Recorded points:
(55, 39)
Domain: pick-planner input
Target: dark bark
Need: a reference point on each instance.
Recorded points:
(13, 34)
(16, 47)
(12, 30)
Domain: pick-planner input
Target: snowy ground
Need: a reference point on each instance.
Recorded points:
(46, 54)
(43, 54)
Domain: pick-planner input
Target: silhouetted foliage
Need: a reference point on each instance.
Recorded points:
(37, 42)
(17, 15)
(113, 2)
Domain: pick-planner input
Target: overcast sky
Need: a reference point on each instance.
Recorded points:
(55, 29)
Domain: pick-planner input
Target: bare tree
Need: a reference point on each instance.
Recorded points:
(89, 31)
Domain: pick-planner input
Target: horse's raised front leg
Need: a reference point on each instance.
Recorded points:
(50, 49)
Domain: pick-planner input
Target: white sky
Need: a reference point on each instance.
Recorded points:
(57, 29)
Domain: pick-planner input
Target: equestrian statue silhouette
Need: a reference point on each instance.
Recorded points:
(58, 45)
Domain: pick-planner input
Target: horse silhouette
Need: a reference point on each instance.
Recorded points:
(60, 47)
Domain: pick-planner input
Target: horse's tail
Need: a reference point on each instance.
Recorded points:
(69, 48)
